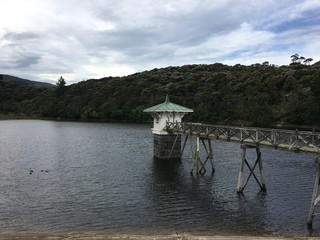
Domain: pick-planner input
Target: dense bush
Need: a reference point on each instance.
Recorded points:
(260, 95)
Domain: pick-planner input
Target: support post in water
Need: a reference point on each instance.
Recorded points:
(261, 182)
(196, 160)
(316, 194)
(209, 154)
(194, 154)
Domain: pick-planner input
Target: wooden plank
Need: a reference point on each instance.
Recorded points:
(292, 140)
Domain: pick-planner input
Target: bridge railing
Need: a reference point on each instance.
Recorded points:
(294, 140)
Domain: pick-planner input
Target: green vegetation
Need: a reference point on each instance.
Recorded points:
(12, 95)
(259, 95)
(60, 86)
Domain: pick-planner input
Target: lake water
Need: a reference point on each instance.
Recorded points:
(78, 177)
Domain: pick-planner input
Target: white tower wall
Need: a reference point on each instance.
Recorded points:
(160, 120)
(166, 146)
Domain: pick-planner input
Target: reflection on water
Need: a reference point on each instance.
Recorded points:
(102, 177)
(191, 202)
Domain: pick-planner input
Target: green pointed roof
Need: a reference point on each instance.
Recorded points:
(168, 106)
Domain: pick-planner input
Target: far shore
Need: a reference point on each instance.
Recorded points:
(278, 125)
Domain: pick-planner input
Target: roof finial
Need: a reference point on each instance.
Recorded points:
(167, 99)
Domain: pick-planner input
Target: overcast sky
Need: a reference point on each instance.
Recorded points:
(81, 39)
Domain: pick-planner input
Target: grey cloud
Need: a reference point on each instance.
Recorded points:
(165, 32)
(27, 61)
(14, 36)
(143, 34)
(128, 41)
(22, 61)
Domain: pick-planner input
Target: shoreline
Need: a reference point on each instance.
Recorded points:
(106, 236)
(275, 125)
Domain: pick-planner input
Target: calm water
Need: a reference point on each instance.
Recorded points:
(102, 177)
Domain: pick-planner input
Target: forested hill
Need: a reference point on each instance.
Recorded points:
(24, 82)
(260, 95)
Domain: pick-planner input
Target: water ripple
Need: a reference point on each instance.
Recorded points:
(63, 176)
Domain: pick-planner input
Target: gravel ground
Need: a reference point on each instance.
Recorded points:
(98, 236)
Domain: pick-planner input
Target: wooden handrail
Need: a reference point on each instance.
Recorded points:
(292, 140)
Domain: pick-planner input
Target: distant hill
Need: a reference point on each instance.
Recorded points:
(25, 82)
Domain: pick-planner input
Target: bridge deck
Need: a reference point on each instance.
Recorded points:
(293, 140)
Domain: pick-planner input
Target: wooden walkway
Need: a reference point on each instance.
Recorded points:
(293, 140)
(250, 138)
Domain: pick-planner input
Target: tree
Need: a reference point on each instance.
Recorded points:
(308, 61)
(60, 86)
(61, 82)
(295, 58)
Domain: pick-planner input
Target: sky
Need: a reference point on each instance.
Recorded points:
(42, 40)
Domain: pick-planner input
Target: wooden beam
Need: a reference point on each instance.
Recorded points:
(244, 162)
(243, 159)
(209, 153)
(315, 195)
(292, 140)
(184, 144)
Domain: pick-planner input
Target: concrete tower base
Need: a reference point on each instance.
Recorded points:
(163, 145)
